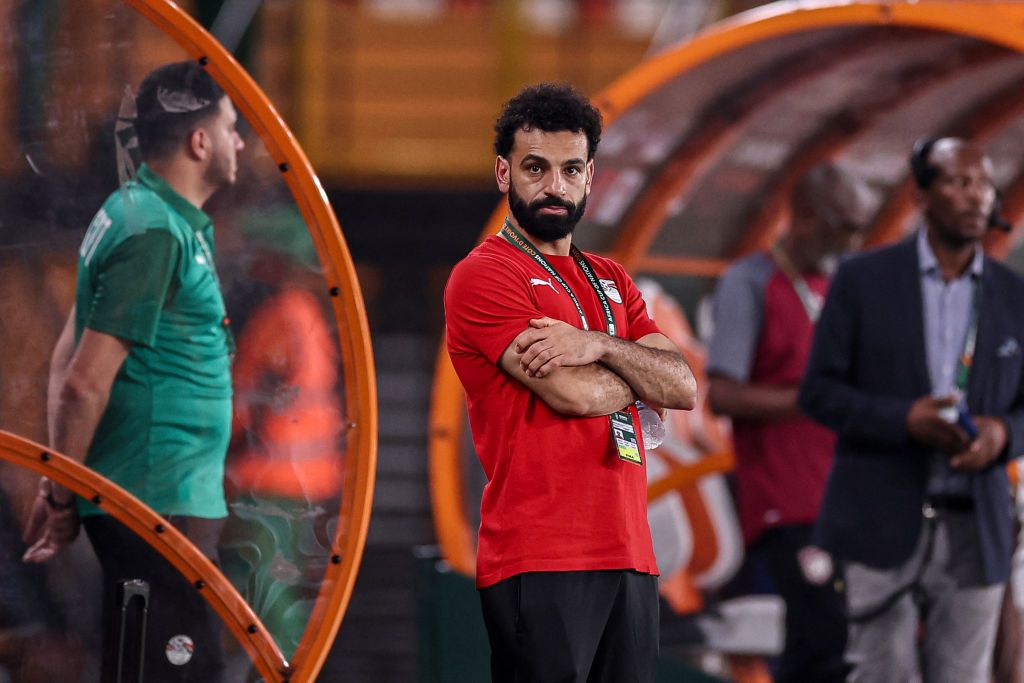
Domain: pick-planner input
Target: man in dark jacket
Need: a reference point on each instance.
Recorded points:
(917, 366)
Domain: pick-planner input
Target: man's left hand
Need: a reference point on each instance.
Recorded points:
(990, 442)
(48, 529)
(549, 344)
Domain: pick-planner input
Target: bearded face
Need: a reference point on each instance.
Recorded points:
(546, 226)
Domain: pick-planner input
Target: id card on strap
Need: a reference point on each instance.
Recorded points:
(627, 442)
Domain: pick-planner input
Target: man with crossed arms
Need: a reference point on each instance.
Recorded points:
(553, 347)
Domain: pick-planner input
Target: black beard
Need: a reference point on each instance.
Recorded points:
(545, 227)
(949, 235)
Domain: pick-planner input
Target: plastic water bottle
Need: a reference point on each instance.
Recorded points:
(651, 427)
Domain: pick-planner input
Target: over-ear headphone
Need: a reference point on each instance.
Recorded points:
(924, 174)
(922, 170)
(995, 219)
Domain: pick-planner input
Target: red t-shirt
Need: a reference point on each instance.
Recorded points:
(558, 497)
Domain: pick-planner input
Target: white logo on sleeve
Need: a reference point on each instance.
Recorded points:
(547, 283)
(611, 290)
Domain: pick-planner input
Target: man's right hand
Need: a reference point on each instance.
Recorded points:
(926, 424)
(548, 344)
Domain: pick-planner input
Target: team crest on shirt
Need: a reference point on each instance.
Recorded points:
(611, 290)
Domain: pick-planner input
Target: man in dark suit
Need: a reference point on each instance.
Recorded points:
(917, 366)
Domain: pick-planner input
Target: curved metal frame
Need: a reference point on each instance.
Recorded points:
(720, 126)
(357, 356)
(161, 535)
(993, 22)
(360, 388)
(830, 140)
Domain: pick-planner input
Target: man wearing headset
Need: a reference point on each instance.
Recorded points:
(917, 365)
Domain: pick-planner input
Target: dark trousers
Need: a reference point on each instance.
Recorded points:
(573, 627)
(176, 608)
(815, 616)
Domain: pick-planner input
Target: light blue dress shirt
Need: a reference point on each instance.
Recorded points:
(947, 313)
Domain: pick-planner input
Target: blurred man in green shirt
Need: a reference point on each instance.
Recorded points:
(140, 378)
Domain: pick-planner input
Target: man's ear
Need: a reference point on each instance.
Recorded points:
(590, 174)
(920, 198)
(199, 144)
(503, 174)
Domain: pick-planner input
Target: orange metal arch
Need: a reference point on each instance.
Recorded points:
(164, 537)
(994, 22)
(357, 356)
(447, 424)
(681, 265)
(846, 128)
(721, 125)
(360, 388)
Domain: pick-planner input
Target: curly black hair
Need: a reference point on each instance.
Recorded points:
(550, 107)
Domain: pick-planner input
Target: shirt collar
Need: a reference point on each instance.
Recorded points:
(930, 265)
(192, 214)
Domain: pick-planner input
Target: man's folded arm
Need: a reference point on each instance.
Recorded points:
(654, 368)
(579, 391)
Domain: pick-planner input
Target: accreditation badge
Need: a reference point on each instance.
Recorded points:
(624, 435)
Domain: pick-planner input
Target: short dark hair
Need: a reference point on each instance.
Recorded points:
(550, 107)
(171, 103)
(830, 193)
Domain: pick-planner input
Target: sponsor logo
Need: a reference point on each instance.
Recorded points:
(547, 283)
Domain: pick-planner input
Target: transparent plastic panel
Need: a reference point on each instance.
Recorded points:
(230, 403)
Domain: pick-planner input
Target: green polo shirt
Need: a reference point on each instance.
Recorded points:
(146, 275)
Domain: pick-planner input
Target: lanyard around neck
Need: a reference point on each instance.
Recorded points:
(624, 423)
(518, 240)
(963, 368)
(811, 302)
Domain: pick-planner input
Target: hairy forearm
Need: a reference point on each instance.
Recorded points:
(658, 377)
(585, 391)
(746, 401)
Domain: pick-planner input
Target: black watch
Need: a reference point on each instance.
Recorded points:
(57, 505)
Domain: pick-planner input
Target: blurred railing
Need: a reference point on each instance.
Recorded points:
(416, 99)
(374, 97)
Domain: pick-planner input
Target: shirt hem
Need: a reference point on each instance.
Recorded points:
(563, 565)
